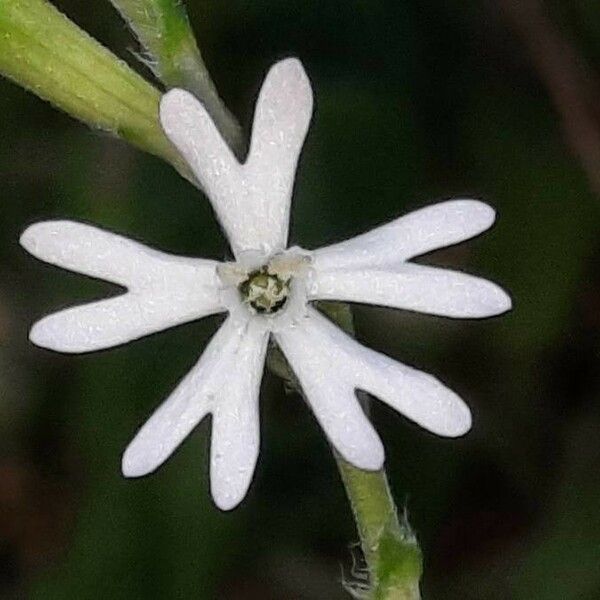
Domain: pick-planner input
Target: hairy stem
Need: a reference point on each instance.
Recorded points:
(163, 29)
(389, 545)
(45, 52)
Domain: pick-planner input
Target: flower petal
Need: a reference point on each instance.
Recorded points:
(328, 363)
(413, 287)
(421, 231)
(330, 394)
(165, 291)
(225, 382)
(252, 201)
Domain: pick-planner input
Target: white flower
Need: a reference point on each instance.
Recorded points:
(267, 292)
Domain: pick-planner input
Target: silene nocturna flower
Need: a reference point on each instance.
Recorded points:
(267, 291)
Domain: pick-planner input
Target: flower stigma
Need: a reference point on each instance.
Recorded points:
(265, 291)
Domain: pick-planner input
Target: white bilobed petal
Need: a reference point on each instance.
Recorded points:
(329, 391)
(328, 363)
(165, 290)
(413, 287)
(225, 382)
(252, 201)
(421, 231)
(281, 119)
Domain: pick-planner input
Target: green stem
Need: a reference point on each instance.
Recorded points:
(389, 545)
(163, 29)
(45, 52)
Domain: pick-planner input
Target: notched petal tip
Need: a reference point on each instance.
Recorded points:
(504, 302)
(59, 332)
(176, 96)
(290, 83)
(497, 301)
(373, 461)
(38, 335)
(231, 474)
(28, 238)
(291, 64)
(227, 495)
(43, 335)
(133, 466)
(39, 234)
(449, 416)
(173, 104)
(289, 69)
(457, 424)
(479, 213)
(225, 502)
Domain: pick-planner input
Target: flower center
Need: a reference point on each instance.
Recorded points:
(265, 291)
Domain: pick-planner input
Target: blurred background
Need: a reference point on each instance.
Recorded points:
(415, 102)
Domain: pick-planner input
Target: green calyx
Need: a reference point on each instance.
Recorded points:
(45, 52)
(164, 31)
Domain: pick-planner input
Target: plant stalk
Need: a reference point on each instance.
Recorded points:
(46, 53)
(164, 31)
(390, 547)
